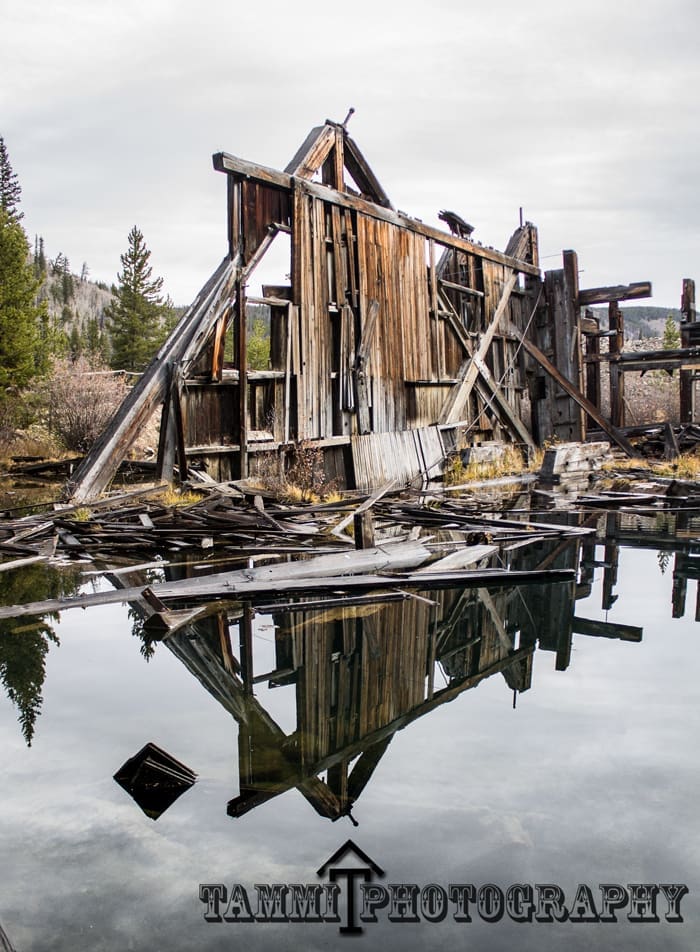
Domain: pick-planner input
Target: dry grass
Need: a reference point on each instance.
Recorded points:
(171, 496)
(508, 464)
(35, 440)
(81, 514)
(687, 466)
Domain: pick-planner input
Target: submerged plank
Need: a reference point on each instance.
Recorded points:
(216, 586)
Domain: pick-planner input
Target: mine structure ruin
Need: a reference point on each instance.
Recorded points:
(391, 342)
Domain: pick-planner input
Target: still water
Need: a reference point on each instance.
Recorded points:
(475, 737)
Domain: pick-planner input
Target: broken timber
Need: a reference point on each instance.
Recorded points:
(346, 571)
(387, 326)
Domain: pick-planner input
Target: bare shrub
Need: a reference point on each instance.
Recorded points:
(81, 398)
(304, 479)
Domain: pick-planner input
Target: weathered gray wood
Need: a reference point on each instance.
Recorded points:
(312, 153)
(360, 170)
(451, 411)
(364, 530)
(671, 449)
(620, 292)
(687, 384)
(364, 422)
(461, 558)
(617, 380)
(568, 458)
(606, 629)
(223, 162)
(213, 586)
(21, 563)
(364, 506)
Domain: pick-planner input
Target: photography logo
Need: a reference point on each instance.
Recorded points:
(350, 895)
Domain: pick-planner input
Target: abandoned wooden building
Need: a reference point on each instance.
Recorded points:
(391, 341)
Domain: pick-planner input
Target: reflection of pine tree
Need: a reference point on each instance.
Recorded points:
(24, 642)
(663, 558)
(23, 650)
(148, 644)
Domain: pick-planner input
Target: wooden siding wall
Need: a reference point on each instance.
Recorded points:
(342, 261)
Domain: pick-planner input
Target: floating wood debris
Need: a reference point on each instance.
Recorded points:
(155, 779)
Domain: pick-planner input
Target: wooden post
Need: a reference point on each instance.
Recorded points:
(246, 647)
(687, 386)
(364, 530)
(560, 337)
(574, 355)
(612, 553)
(617, 379)
(680, 589)
(593, 373)
(241, 323)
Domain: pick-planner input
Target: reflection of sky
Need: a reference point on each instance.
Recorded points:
(592, 779)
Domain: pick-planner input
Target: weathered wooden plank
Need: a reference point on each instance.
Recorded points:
(567, 458)
(360, 170)
(687, 384)
(619, 292)
(617, 380)
(361, 383)
(606, 629)
(21, 563)
(223, 162)
(311, 154)
(452, 410)
(101, 462)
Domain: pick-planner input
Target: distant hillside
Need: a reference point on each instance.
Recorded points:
(74, 301)
(641, 322)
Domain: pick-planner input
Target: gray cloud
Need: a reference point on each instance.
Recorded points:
(581, 112)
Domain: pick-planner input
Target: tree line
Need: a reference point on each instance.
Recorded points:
(136, 321)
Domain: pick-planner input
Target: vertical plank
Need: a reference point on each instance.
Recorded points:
(687, 385)
(593, 369)
(240, 318)
(617, 378)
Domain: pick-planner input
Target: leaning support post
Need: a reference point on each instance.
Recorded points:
(452, 410)
(575, 394)
(101, 463)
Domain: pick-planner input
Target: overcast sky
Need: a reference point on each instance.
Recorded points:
(584, 113)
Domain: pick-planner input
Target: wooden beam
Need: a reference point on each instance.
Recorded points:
(312, 153)
(490, 390)
(575, 394)
(619, 292)
(361, 384)
(360, 170)
(101, 463)
(223, 162)
(451, 411)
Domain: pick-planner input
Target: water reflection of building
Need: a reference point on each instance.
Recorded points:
(362, 670)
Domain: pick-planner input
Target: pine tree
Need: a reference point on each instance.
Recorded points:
(10, 189)
(138, 313)
(75, 343)
(672, 336)
(21, 354)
